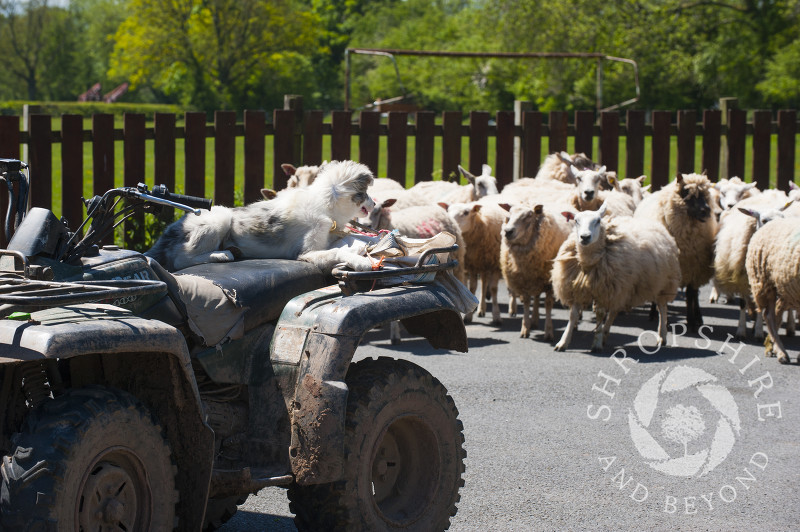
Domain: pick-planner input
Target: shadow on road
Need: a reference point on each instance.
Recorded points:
(256, 522)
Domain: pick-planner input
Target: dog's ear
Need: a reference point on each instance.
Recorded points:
(288, 169)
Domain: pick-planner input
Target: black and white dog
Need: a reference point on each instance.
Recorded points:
(299, 223)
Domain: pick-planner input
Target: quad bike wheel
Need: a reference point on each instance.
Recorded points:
(404, 456)
(91, 459)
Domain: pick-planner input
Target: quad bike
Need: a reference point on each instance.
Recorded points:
(136, 399)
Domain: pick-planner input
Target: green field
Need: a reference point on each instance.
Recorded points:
(381, 171)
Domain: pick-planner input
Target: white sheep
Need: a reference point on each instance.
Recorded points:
(773, 270)
(300, 176)
(683, 208)
(423, 221)
(432, 192)
(634, 187)
(557, 166)
(615, 264)
(530, 241)
(736, 228)
(732, 191)
(480, 224)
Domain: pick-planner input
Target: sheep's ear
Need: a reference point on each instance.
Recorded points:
(288, 169)
(749, 186)
(611, 178)
(505, 206)
(792, 186)
(602, 169)
(602, 210)
(538, 208)
(788, 204)
(748, 212)
(646, 187)
(486, 170)
(476, 207)
(679, 179)
(388, 203)
(564, 157)
(443, 205)
(574, 170)
(465, 173)
(568, 215)
(704, 172)
(641, 179)
(268, 193)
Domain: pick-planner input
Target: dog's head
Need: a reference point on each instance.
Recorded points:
(344, 185)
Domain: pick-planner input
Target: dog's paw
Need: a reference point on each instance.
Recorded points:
(358, 263)
(222, 256)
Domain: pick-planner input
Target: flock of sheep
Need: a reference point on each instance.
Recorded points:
(577, 234)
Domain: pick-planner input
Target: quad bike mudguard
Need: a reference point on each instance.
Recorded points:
(314, 342)
(126, 345)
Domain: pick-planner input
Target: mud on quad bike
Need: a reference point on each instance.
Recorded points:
(136, 399)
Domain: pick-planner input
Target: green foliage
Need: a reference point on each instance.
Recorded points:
(781, 84)
(55, 108)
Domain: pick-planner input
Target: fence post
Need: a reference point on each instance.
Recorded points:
(369, 141)
(504, 148)
(634, 143)
(294, 102)
(224, 157)
(584, 132)
(725, 105)
(254, 154)
(532, 143)
(164, 155)
(478, 141)
(397, 146)
(41, 161)
(660, 151)
(609, 140)
(133, 173)
(712, 121)
(451, 144)
(520, 106)
(423, 145)
(762, 123)
(787, 128)
(686, 122)
(194, 151)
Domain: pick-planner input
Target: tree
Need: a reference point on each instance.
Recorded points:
(682, 425)
(23, 31)
(214, 53)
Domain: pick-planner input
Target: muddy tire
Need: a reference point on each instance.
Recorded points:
(92, 459)
(404, 456)
(220, 511)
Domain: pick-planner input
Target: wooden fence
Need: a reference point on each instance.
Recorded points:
(298, 138)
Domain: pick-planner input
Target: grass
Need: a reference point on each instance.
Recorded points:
(381, 170)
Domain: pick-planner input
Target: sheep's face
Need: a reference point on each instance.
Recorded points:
(484, 184)
(464, 214)
(633, 188)
(522, 224)
(589, 181)
(302, 176)
(733, 191)
(588, 225)
(693, 192)
(765, 215)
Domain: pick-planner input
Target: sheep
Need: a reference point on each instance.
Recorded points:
(383, 187)
(634, 188)
(773, 271)
(730, 249)
(422, 221)
(617, 263)
(733, 190)
(557, 166)
(589, 194)
(683, 208)
(300, 176)
(432, 192)
(530, 240)
(480, 224)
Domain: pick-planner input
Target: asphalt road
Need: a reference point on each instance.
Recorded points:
(559, 441)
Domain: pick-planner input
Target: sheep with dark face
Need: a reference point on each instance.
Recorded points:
(683, 207)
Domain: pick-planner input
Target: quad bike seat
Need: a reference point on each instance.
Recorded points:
(224, 300)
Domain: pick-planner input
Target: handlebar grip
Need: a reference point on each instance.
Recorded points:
(192, 201)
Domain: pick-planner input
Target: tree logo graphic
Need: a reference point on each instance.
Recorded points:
(683, 425)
